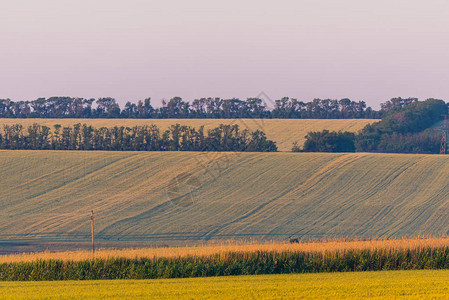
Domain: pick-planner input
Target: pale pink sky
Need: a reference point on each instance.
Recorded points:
(130, 50)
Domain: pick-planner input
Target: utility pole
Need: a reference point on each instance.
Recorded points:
(92, 227)
(443, 147)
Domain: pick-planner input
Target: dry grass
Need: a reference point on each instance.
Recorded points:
(283, 131)
(330, 246)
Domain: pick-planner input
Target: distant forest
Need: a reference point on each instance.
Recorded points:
(405, 128)
(138, 138)
(285, 108)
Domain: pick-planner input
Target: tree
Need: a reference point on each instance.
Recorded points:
(108, 108)
(326, 141)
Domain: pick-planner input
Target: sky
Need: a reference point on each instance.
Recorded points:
(363, 50)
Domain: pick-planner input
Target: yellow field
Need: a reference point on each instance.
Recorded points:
(283, 131)
(191, 197)
(330, 248)
(384, 284)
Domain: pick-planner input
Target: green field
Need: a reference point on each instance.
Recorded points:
(385, 284)
(154, 197)
(283, 131)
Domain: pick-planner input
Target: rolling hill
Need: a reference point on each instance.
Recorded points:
(283, 131)
(46, 196)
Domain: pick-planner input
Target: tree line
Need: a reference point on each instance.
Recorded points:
(405, 128)
(72, 107)
(138, 138)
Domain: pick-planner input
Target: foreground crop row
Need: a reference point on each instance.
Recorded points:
(420, 284)
(232, 263)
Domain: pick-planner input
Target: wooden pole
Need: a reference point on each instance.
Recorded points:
(92, 227)
(443, 147)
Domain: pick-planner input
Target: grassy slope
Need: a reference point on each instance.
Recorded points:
(274, 128)
(48, 195)
(417, 284)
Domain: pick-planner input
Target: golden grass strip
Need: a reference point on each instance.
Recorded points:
(329, 246)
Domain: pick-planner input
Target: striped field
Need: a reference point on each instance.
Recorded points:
(283, 131)
(154, 197)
